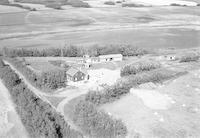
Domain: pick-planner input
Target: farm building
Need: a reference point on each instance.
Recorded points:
(75, 74)
(111, 57)
(170, 57)
(87, 61)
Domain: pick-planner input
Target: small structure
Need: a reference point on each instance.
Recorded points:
(75, 74)
(170, 57)
(111, 57)
(87, 60)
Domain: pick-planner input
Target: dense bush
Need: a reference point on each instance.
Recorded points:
(189, 57)
(54, 6)
(132, 5)
(47, 81)
(75, 51)
(175, 4)
(109, 94)
(42, 1)
(78, 3)
(38, 117)
(156, 76)
(109, 3)
(137, 67)
(118, 1)
(97, 123)
(124, 84)
(1, 62)
(53, 79)
(4, 2)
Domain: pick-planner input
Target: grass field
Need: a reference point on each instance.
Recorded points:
(169, 111)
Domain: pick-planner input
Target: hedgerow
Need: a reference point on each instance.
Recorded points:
(38, 117)
(189, 57)
(47, 81)
(109, 94)
(109, 3)
(138, 67)
(122, 87)
(97, 124)
(75, 51)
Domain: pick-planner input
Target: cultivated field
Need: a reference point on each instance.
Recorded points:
(150, 27)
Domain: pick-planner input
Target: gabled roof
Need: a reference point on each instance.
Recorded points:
(72, 71)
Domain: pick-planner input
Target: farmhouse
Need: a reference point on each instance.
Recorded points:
(111, 57)
(75, 74)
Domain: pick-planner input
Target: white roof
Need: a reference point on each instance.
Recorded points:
(111, 56)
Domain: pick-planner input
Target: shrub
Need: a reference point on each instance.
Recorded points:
(123, 86)
(109, 94)
(54, 5)
(1, 63)
(138, 67)
(156, 76)
(38, 117)
(4, 2)
(189, 57)
(97, 123)
(109, 3)
(128, 50)
(132, 5)
(175, 4)
(78, 3)
(75, 51)
(118, 1)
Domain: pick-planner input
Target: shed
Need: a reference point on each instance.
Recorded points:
(170, 57)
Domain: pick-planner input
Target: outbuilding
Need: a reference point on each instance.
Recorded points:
(170, 57)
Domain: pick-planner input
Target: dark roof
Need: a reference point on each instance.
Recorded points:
(72, 71)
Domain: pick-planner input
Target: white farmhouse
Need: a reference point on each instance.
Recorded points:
(111, 57)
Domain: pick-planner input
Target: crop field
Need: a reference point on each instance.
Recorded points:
(161, 27)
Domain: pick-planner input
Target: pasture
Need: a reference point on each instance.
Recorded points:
(171, 110)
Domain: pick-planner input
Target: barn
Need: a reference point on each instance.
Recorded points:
(75, 74)
(110, 57)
